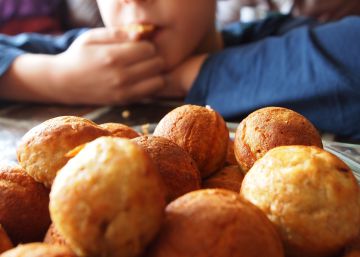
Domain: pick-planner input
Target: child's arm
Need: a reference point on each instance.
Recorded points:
(100, 67)
(314, 71)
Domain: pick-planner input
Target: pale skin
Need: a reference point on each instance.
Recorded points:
(101, 67)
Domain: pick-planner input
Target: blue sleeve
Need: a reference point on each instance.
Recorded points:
(13, 46)
(239, 33)
(312, 70)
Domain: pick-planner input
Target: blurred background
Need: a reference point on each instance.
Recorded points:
(56, 16)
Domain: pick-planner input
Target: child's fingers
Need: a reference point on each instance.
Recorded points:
(107, 35)
(140, 90)
(143, 70)
(131, 53)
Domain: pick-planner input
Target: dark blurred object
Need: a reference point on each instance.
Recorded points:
(83, 13)
(326, 10)
(44, 16)
(47, 16)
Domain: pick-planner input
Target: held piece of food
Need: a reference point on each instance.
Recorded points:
(139, 31)
(108, 200)
(201, 131)
(53, 237)
(24, 211)
(120, 130)
(42, 150)
(38, 250)
(229, 177)
(178, 170)
(215, 222)
(5, 242)
(310, 195)
(270, 127)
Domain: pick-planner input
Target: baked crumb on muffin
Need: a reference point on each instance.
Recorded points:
(177, 169)
(310, 195)
(270, 127)
(24, 211)
(39, 250)
(201, 131)
(215, 222)
(42, 150)
(120, 130)
(108, 200)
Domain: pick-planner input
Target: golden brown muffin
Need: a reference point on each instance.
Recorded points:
(270, 127)
(5, 242)
(108, 200)
(201, 131)
(230, 156)
(178, 170)
(353, 248)
(352, 253)
(120, 130)
(42, 150)
(229, 177)
(39, 250)
(24, 212)
(215, 222)
(53, 237)
(310, 195)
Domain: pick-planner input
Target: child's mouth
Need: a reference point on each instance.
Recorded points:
(142, 31)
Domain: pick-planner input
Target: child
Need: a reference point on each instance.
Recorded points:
(281, 61)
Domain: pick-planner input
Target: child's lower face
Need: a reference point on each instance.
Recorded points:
(181, 26)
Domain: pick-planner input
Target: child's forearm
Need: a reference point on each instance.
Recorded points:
(30, 78)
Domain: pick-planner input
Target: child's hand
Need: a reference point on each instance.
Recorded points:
(180, 80)
(105, 66)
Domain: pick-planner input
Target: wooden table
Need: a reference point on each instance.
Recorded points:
(17, 119)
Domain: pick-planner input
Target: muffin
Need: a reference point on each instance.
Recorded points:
(42, 149)
(24, 212)
(230, 155)
(53, 237)
(229, 177)
(352, 253)
(201, 131)
(215, 222)
(310, 195)
(270, 127)
(38, 250)
(5, 243)
(120, 130)
(177, 169)
(353, 248)
(108, 200)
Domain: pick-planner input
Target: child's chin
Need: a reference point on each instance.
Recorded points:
(174, 62)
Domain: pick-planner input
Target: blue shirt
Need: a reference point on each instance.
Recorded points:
(308, 67)
(311, 68)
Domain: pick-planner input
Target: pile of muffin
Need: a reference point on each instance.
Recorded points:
(187, 190)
